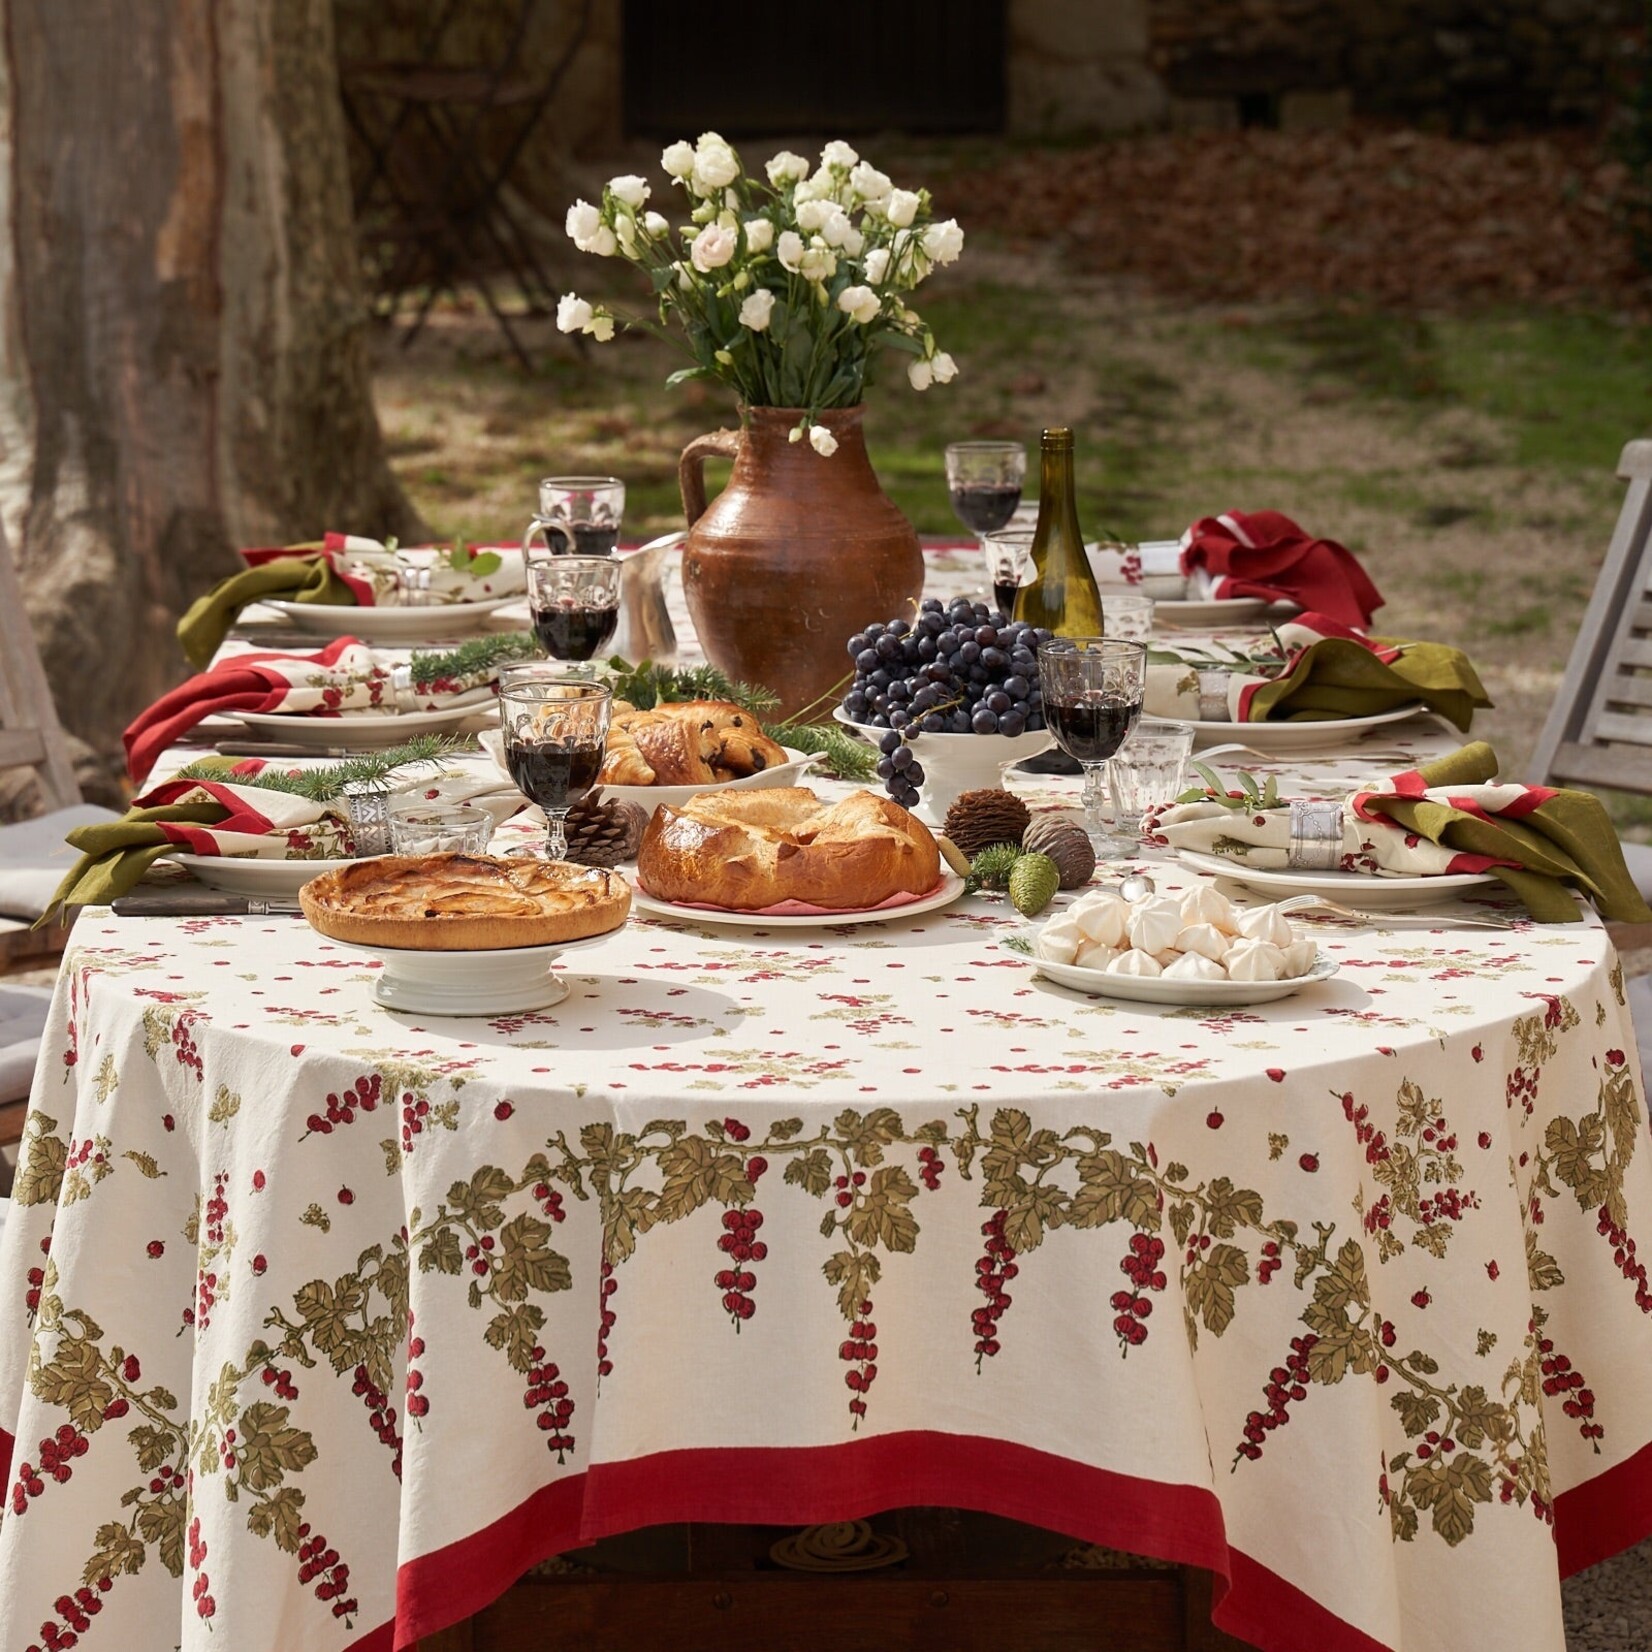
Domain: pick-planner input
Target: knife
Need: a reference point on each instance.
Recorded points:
(198, 903)
(274, 748)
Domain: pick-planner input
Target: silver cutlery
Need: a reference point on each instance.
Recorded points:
(199, 903)
(1309, 904)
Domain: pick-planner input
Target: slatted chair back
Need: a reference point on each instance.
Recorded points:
(30, 734)
(1599, 729)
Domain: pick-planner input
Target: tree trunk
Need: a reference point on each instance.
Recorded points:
(183, 352)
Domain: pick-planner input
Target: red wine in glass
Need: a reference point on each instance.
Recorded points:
(984, 507)
(555, 774)
(582, 538)
(1092, 727)
(574, 631)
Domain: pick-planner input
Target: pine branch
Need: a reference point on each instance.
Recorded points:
(322, 785)
(477, 658)
(646, 685)
(846, 757)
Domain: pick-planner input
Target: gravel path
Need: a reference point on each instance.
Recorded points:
(1609, 1607)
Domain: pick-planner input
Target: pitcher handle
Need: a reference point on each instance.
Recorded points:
(556, 539)
(691, 468)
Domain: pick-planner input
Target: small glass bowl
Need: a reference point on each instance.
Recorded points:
(418, 827)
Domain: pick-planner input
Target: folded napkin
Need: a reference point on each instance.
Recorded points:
(345, 676)
(1329, 672)
(222, 817)
(1449, 816)
(1264, 554)
(342, 571)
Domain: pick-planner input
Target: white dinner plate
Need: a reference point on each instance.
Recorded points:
(1155, 989)
(363, 729)
(258, 879)
(390, 623)
(1304, 736)
(1367, 891)
(949, 889)
(504, 981)
(1187, 613)
(789, 773)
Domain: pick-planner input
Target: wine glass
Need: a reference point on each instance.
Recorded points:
(1093, 690)
(578, 515)
(575, 603)
(984, 482)
(556, 731)
(1009, 555)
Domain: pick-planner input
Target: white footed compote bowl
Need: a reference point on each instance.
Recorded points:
(957, 763)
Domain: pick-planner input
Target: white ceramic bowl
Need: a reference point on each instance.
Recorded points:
(957, 763)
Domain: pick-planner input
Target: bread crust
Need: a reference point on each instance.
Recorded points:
(687, 743)
(750, 849)
(463, 903)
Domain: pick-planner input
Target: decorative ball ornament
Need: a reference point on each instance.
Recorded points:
(1066, 843)
(982, 818)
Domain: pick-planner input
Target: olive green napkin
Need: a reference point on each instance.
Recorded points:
(1338, 677)
(287, 578)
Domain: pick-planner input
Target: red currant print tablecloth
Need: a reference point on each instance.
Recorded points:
(319, 1324)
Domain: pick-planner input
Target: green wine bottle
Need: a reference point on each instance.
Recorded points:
(1063, 593)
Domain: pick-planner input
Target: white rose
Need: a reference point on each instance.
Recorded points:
(654, 224)
(811, 215)
(790, 251)
(755, 312)
(715, 164)
(786, 168)
(920, 373)
(602, 327)
(901, 208)
(685, 278)
(603, 243)
(860, 303)
(944, 241)
(835, 227)
(853, 241)
(944, 368)
(759, 235)
(877, 264)
(820, 438)
(625, 231)
(870, 184)
(573, 314)
(805, 191)
(838, 154)
(678, 159)
(818, 264)
(582, 223)
(713, 247)
(630, 189)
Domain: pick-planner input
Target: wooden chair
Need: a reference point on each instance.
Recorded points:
(1599, 729)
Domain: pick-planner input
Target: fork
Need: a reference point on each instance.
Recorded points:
(1394, 920)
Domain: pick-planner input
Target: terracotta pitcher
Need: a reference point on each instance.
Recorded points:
(795, 555)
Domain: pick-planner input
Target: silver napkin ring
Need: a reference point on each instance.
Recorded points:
(1213, 696)
(1316, 835)
(401, 688)
(367, 804)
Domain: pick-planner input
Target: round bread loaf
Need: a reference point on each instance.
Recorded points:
(749, 849)
(463, 903)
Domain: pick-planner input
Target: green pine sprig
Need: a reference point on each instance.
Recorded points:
(646, 685)
(847, 758)
(322, 785)
(475, 658)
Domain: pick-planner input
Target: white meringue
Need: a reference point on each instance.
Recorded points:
(1266, 923)
(1059, 940)
(1135, 962)
(1168, 956)
(1096, 955)
(1205, 904)
(1194, 966)
(1101, 917)
(1254, 961)
(1154, 924)
(1297, 959)
(1206, 940)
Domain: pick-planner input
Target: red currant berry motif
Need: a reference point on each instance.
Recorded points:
(363, 1096)
(739, 1243)
(184, 1048)
(1286, 1383)
(319, 1563)
(860, 1353)
(74, 1617)
(213, 1254)
(994, 1269)
(1142, 1265)
(930, 1166)
(547, 1393)
(608, 1319)
(57, 1454)
(381, 1414)
(1560, 1379)
(418, 1403)
(1623, 1256)
(205, 1606)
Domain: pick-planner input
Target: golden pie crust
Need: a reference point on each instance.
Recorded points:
(463, 903)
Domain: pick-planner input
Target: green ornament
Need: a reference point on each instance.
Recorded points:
(1034, 880)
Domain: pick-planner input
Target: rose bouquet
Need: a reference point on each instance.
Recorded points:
(786, 287)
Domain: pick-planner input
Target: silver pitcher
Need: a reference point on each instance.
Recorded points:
(645, 629)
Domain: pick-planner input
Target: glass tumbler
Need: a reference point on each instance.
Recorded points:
(1127, 615)
(578, 516)
(1148, 769)
(421, 827)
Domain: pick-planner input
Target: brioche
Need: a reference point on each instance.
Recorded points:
(751, 849)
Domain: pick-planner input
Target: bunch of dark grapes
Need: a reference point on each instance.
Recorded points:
(959, 668)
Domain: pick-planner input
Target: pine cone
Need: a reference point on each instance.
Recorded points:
(1066, 843)
(979, 819)
(603, 834)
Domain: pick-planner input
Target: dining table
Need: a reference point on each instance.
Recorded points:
(321, 1323)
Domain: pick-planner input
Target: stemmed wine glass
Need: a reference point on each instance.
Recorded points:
(575, 603)
(556, 731)
(984, 482)
(1093, 691)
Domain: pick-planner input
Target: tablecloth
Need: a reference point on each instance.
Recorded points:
(319, 1325)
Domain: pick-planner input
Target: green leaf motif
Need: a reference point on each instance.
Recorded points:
(881, 1216)
(324, 1308)
(854, 1273)
(269, 1447)
(162, 1523)
(525, 1262)
(1209, 1284)
(516, 1333)
(279, 1516)
(479, 1199)
(117, 1552)
(74, 1382)
(442, 1253)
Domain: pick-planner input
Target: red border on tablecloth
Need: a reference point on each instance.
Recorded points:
(788, 1487)
(1605, 1515)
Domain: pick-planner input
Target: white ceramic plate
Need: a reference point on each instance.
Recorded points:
(257, 879)
(1213, 613)
(391, 624)
(1155, 989)
(790, 773)
(509, 981)
(360, 730)
(1284, 737)
(950, 888)
(1364, 890)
